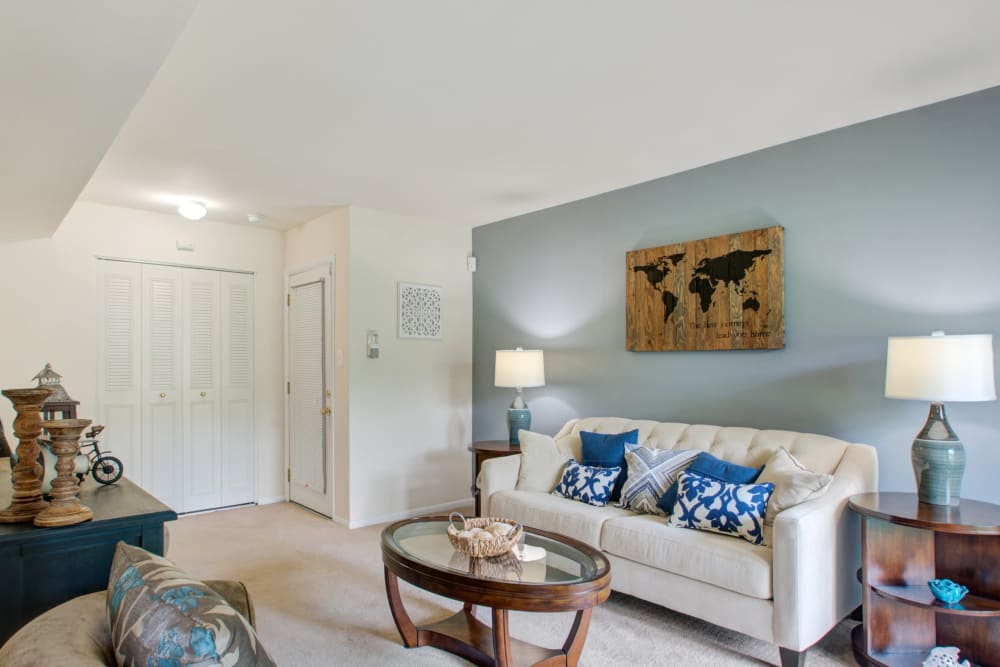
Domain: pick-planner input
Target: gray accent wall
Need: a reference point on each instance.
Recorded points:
(892, 227)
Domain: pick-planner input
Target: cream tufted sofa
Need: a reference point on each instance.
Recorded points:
(790, 594)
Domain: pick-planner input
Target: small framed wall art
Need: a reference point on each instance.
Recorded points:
(419, 311)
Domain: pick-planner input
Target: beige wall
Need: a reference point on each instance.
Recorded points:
(48, 296)
(402, 421)
(411, 409)
(324, 239)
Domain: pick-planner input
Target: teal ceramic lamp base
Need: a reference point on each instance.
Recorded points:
(938, 459)
(517, 419)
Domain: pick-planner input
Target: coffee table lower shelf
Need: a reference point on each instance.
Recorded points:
(467, 637)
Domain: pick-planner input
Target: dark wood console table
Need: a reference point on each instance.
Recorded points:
(485, 450)
(43, 567)
(905, 544)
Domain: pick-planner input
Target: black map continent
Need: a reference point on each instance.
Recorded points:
(728, 269)
(656, 272)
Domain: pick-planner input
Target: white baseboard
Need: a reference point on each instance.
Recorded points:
(408, 514)
(271, 500)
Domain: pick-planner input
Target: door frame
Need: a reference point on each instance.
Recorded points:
(328, 263)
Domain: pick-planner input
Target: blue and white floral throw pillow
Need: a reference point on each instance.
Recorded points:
(587, 484)
(704, 503)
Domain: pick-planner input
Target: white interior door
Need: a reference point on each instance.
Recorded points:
(162, 392)
(310, 396)
(237, 405)
(202, 451)
(119, 377)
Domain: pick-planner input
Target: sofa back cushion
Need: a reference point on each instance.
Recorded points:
(745, 446)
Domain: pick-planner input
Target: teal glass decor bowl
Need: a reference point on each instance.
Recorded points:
(947, 591)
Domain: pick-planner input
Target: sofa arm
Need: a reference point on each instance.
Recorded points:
(499, 474)
(817, 552)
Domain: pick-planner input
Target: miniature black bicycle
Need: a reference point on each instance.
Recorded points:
(104, 468)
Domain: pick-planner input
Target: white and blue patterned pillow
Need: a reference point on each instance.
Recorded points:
(587, 484)
(650, 472)
(704, 503)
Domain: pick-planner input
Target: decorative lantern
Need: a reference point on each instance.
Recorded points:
(59, 401)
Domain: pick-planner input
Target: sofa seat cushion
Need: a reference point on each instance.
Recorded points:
(555, 514)
(719, 560)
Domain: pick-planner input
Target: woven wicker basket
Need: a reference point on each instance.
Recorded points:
(480, 548)
(505, 566)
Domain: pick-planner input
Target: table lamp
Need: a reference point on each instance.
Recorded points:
(939, 368)
(518, 369)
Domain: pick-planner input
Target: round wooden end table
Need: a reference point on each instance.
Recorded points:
(571, 577)
(906, 543)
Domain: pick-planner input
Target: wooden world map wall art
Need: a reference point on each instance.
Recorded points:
(721, 293)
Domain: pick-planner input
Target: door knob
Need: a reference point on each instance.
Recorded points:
(162, 395)
(203, 394)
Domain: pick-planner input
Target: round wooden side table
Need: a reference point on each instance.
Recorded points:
(905, 544)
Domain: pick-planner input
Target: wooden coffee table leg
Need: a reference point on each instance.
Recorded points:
(407, 630)
(577, 636)
(501, 638)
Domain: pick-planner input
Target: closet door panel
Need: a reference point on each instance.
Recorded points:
(237, 409)
(119, 377)
(201, 442)
(162, 458)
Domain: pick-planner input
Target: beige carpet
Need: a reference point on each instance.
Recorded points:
(320, 600)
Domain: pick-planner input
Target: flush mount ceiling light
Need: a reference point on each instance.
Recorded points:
(192, 210)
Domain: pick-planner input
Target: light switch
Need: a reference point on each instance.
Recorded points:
(371, 344)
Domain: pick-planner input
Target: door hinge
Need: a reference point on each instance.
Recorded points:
(289, 388)
(289, 474)
(289, 299)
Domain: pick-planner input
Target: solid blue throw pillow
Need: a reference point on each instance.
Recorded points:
(607, 450)
(710, 466)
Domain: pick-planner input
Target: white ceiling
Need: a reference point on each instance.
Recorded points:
(470, 112)
(70, 74)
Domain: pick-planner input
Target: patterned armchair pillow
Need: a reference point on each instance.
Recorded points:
(705, 503)
(650, 474)
(587, 484)
(160, 617)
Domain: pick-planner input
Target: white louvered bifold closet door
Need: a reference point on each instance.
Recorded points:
(237, 389)
(119, 377)
(307, 424)
(202, 450)
(162, 391)
(175, 381)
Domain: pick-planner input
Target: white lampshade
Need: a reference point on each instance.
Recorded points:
(940, 368)
(519, 368)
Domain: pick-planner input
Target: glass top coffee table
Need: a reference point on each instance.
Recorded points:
(570, 577)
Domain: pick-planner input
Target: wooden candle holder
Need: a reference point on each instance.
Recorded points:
(65, 508)
(27, 499)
